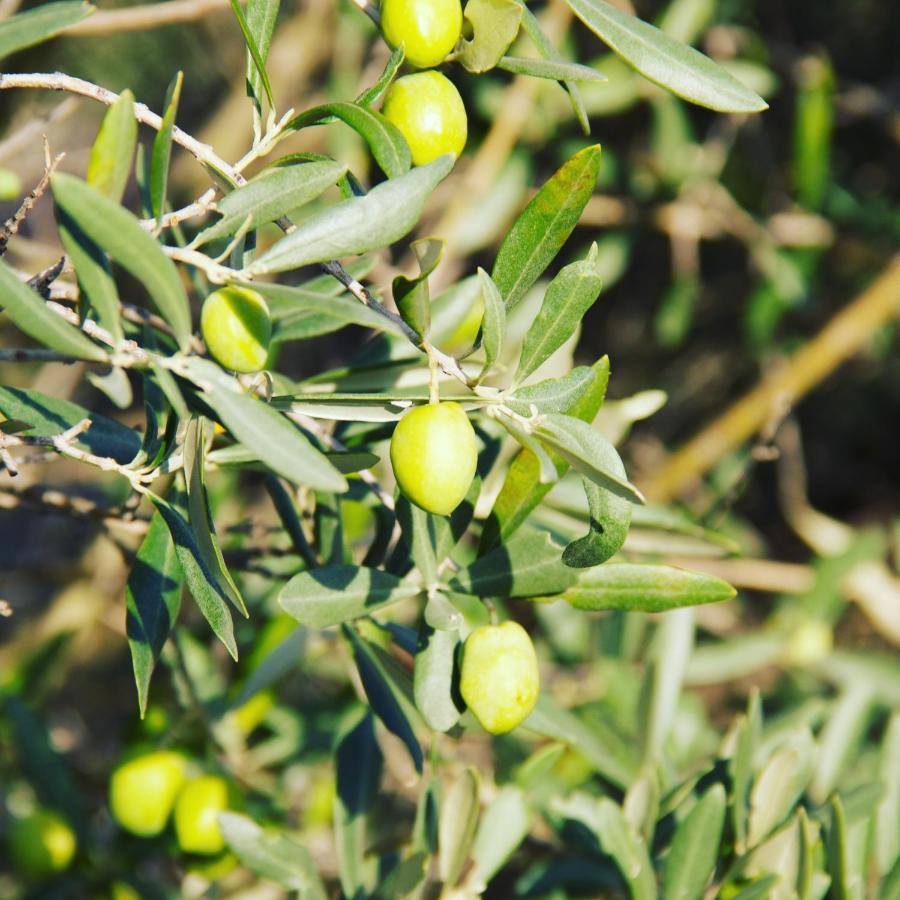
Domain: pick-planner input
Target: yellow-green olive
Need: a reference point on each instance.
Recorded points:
(434, 455)
(426, 29)
(142, 791)
(237, 328)
(197, 815)
(499, 676)
(42, 844)
(428, 111)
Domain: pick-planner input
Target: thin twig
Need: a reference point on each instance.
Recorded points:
(11, 226)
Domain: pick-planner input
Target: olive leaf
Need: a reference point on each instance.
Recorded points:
(411, 295)
(495, 24)
(109, 164)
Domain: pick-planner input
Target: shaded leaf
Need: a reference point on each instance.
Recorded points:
(504, 825)
(411, 294)
(456, 827)
(433, 681)
(493, 320)
(162, 148)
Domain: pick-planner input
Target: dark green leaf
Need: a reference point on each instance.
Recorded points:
(272, 855)
(194, 450)
(411, 295)
(695, 847)
(152, 601)
(666, 62)
(206, 591)
(373, 94)
(47, 417)
(272, 194)
(545, 224)
(119, 233)
(495, 24)
(162, 148)
(528, 565)
(386, 143)
(608, 522)
(109, 165)
(28, 311)
(569, 296)
(39, 24)
(261, 428)
(336, 594)
(384, 215)
(390, 692)
(645, 588)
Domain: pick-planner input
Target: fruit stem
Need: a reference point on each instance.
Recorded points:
(434, 391)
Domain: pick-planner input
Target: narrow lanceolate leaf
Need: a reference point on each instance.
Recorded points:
(162, 148)
(389, 689)
(265, 431)
(261, 16)
(359, 765)
(532, 27)
(272, 194)
(627, 849)
(39, 24)
(384, 215)
(503, 827)
(111, 156)
(387, 144)
(433, 680)
(411, 295)
(272, 855)
(495, 24)
(609, 517)
(493, 322)
(46, 416)
(27, 309)
(152, 600)
(585, 450)
(94, 275)
(194, 451)
(666, 62)
(335, 594)
(523, 489)
(545, 68)
(695, 847)
(545, 224)
(374, 93)
(569, 296)
(256, 57)
(201, 582)
(529, 565)
(118, 232)
(645, 588)
(456, 829)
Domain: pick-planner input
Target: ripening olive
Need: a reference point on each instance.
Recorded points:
(434, 456)
(237, 328)
(41, 844)
(499, 676)
(197, 815)
(427, 29)
(430, 114)
(142, 791)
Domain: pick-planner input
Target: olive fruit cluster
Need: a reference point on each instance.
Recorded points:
(146, 790)
(499, 676)
(425, 106)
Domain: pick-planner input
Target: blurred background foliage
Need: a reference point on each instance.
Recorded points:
(726, 243)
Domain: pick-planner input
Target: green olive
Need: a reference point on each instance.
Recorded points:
(430, 114)
(499, 676)
(42, 844)
(197, 815)
(434, 455)
(426, 29)
(142, 791)
(237, 328)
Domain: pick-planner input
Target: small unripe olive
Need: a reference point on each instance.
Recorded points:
(428, 111)
(197, 815)
(142, 791)
(41, 844)
(434, 455)
(499, 676)
(237, 328)
(427, 29)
